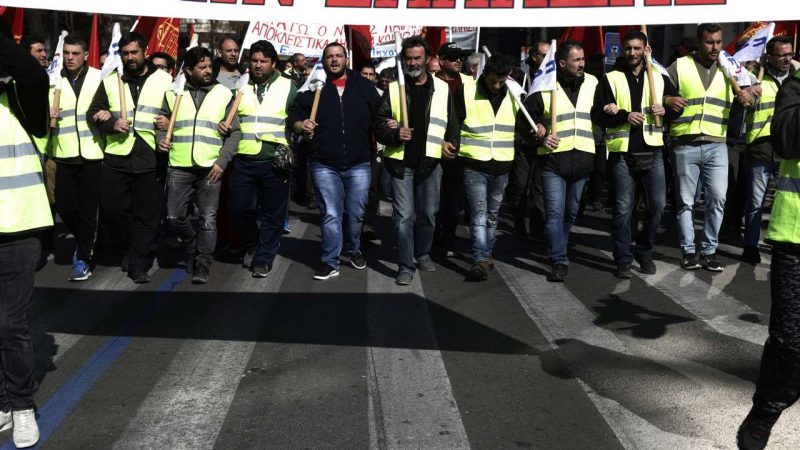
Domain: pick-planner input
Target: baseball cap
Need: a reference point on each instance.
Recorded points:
(451, 51)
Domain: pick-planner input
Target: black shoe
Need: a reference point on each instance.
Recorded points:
(261, 271)
(326, 272)
(357, 260)
(754, 433)
(125, 265)
(368, 233)
(690, 261)
(751, 255)
(559, 272)
(646, 264)
(478, 272)
(710, 263)
(200, 275)
(138, 275)
(623, 271)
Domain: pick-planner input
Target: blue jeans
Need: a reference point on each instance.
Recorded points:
(706, 163)
(340, 193)
(758, 175)
(258, 193)
(655, 188)
(415, 195)
(562, 198)
(484, 194)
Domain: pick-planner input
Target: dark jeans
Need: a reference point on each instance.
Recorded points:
(131, 206)
(416, 201)
(452, 199)
(524, 192)
(18, 257)
(183, 185)
(625, 181)
(737, 189)
(484, 195)
(598, 176)
(562, 199)
(778, 385)
(77, 194)
(258, 194)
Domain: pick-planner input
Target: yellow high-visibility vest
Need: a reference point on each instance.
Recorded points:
(484, 135)
(759, 118)
(573, 122)
(264, 121)
(74, 135)
(618, 138)
(437, 122)
(707, 110)
(195, 139)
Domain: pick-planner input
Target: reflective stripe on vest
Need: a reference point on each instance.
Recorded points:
(759, 118)
(264, 121)
(707, 110)
(142, 115)
(618, 138)
(195, 140)
(74, 136)
(23, 199)
(573, 122)
(784, 223)
(437, 122)
(484, 135)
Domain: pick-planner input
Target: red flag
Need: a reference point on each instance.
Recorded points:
(13, 17)
(161, 34)
(781, 29)
(590, 37)
(436, 36)
(360, 42)
(94, 46)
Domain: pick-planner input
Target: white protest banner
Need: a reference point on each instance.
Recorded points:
(506, 13)
(464, 37)
(290, 37)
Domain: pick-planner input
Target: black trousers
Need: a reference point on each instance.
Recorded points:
(131, 207)
(451, 200)
(18, 257)
(77, 201)
(524, 192)
(778, 385)
(737, 189)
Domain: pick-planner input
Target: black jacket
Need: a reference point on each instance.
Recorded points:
(344, 124)
(142, 158)
(27, 86)
(785, 128)
(390, 137)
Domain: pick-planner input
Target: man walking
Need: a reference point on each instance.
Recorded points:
(197, 159)
(339, 156)
(77, 146)
(413, 153)
(130, 200)
(228, 71)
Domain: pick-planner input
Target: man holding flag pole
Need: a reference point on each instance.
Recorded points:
(130, 201)
(563, 99)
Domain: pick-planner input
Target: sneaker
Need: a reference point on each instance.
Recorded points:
(426, 265)
(449, 253)
(710, 263)
(690, 262)
(138, 275)
(286, 228)
(5, 420)
(357, 260)
(754, 433)
(200, 275)
(260, 271)
(80, 271)
(368, 232)
(751, 255)
(404, 278)
(26, 431)
(326, 272)
(478, 272)
(247, 260)
(559, 272)
(623, 271)
(646, 264)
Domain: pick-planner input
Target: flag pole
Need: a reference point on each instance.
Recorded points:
(350, 47)
(401, 77)
(57, 89)
(651, 83)
(244, 81)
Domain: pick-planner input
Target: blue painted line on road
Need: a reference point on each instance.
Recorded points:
(56, 409)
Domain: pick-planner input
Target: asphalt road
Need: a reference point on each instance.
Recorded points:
(659, 361)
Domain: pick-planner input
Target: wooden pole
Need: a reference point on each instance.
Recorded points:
(56, 103)
(651, 83)
(235, 107)
(123, 107)
(553, 113)
(315, 105)
(173, 116)
(403, 103)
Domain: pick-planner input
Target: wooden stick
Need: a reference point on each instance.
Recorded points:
(173, 116)
(651, 81)
(56, 103)
(123, 108)
(403, 104)
(235, 107)
(735, 85)
(315, 105)
(761, 73)
(553, 113)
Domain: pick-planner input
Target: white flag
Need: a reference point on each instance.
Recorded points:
(243, 81)
(545, 77)
(317, 78)
(733, 69)
(57, 64)
(659, 67)
(756, 45)
(113, 60)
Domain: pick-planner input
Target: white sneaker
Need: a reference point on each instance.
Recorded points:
(5, 421)
(26, 431)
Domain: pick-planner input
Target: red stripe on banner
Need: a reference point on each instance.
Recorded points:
(385, 4)
(348, 3)
(488, 4)
(699, 2)
(431, 3)
(657, 2)
(588, 3)
(534, 4)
